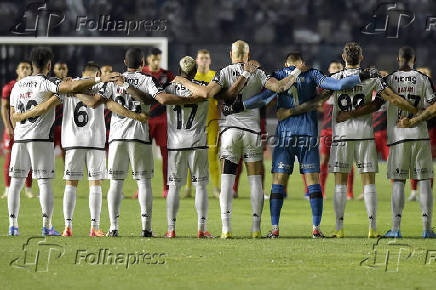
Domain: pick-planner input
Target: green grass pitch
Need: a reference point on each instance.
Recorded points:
(295, 261)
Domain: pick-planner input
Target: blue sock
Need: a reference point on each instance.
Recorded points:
(276, 203)
(316, 203)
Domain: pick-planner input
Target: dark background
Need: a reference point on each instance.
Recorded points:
(272, 28)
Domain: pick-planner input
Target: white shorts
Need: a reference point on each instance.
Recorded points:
(138, 154)
(196, 160)
(363, 152)
(237, 143)
(76, 159)
(411, 159)
(36, 155)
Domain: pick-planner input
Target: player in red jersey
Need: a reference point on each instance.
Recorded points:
(431, 125)
(326, 139)
(158, 118)
(60, 70)
(24, 69)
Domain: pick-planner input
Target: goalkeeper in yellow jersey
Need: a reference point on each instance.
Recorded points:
(205, 75)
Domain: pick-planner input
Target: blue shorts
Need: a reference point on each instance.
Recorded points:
(305, 148)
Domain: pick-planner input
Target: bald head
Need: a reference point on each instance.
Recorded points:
(240, 51)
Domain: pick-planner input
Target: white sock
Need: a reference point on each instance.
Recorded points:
(46, 200)
(173, 200)
(14, 200)
(145, 198)
(114, 197)
(95, 197)
(397, 202)
(202, 205)
(69, 204)
(257, 200)
(339, 200)
(370, 198)
(226, 198)
(426, 202)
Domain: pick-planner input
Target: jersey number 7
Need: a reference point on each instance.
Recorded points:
(191, 117)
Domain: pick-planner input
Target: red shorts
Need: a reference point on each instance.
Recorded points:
(57, 136)
(158, 129)
(325, 140)
(432, 134)
(7, 142)
(381, 144)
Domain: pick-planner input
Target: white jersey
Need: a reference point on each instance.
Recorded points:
(27, 93)
(186, 123)
(359, 128)
(123, 128)
(417, 88)
(82, 127)
(248, 119)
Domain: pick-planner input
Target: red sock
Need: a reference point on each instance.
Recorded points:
(323, 175)
(29, 179)
(6, 169)
(350, 183)
(413, 184)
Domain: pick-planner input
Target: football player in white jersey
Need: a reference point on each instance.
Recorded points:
(353, 136)
(83, 139)
(187, 148)
(129, 140)
(409, 142)
(33, 147)
(240, 133)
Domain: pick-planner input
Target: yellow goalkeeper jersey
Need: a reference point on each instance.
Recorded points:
(213, 103)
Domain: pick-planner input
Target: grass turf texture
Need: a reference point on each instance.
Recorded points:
(294, 261)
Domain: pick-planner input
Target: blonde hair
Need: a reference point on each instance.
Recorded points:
(240, 49)
(203, 51)
(187, 64)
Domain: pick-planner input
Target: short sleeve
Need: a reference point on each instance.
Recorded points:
(51, 85)
(151, 86)
(220, 79)
(429, 93)
(263, 77)
(12, 97)
(380, 85)
(106, 90)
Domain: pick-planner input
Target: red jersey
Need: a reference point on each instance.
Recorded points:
(327, 116)
(380, 119)
(6, 91)
(164, 77)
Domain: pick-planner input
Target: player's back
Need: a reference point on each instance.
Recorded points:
(226, 77)
(186, 123)
(303, 90)
(123, 128)
(82, 126)
(26, 94)
(418, 89)
(360, 128)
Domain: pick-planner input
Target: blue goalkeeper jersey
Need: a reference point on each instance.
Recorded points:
(303, 90)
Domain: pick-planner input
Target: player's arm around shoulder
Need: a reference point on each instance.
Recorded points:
(397, 100)
(280, 86)
(365, 109)
(36, 111)
(74, 86)
(122, 111)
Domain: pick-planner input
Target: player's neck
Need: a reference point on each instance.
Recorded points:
(154, 69)
(349, 66)
(129, 69)
(203, 70)
(405, 67)
(39, 72)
